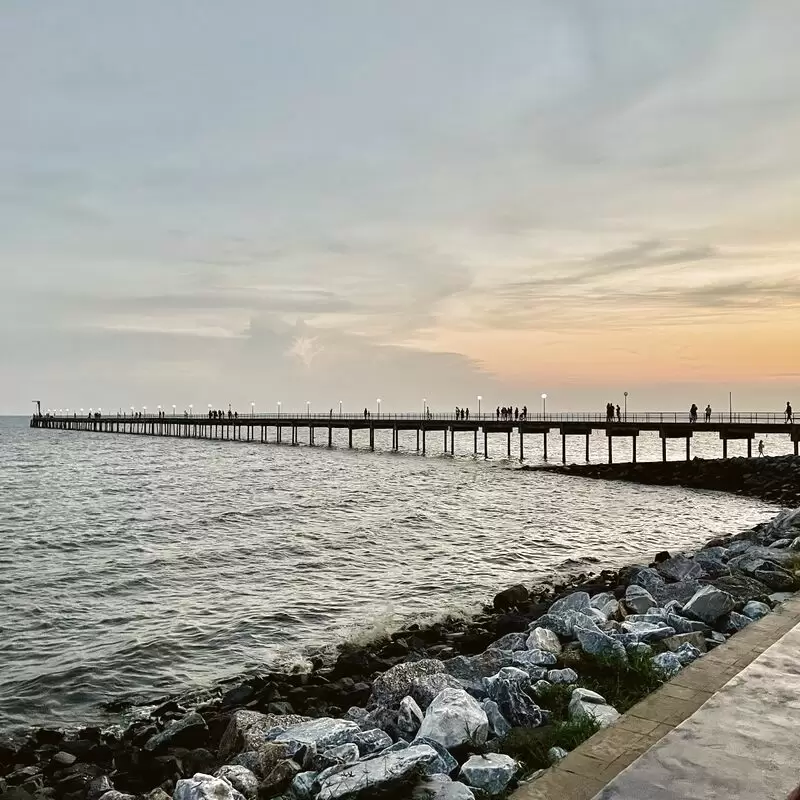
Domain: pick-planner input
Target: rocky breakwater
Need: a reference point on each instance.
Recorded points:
(458, 714)
(775, 479)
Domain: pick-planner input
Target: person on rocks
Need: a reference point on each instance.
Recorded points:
(708, 413)
(760, 448)
(788, 413)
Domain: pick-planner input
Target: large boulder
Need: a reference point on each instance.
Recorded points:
(241, 778)
(679, 568)
(426, 687)
(396, 683)
(511, 641)
(247, 731)
(205, 787)
(587, 705)
(562, 676)
(680, 591)
(322, 733)
(564, 623)
(638, 599)
(372, 741)
(381, 773)
(755, 610)
(509, 689)
(441, 787)
(455, 718)
(776, 577)
(409, 718)
(492, 772)
(709, 604)
(647, 632)
(696, 639)
(188, 731)
(577, 601)
(471, 670)
(646, 577)
(510, 598)
(600, 644)
(742, 587)
(544, 639)
(499, 726)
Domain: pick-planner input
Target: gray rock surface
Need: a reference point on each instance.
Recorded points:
(323, 733)
(426, 687)
(556, 755)
(647, 632)
(241, 778)
(535, 658)
(638, 599)
(205, 787)
(599, 644)
(647, 578)
(680, 568)
(455, 718)
(509, 689)
(440, 787)
(544, 639)
(687, 653)
(564, 623)
(392, 686)
(409, 717)
(565, 676)
(668, 663)
(372, 741)
(179, 733)
(696, 639)
(755, 610)
(709, 604)
(472, 670)
(577, 601)
(247, 731)
(491, 772)
(499, 726)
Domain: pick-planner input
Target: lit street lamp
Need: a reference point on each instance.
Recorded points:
(191, 411)
(479, 406)
(424, 406)
(252, 409)
(340, 408)
(626, 406)
(544, 405)
(279, 407)
(379, 406)
(174, 409)
(308, 408)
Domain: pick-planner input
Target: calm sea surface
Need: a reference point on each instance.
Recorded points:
(138, 566)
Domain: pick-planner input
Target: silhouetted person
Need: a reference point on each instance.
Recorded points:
(708, 413)
(236, 415)
(467, 414)
(366, 411)
(693, 413)
(516, 413)
(619, 415)
(788, 412)
(498, 413)
(525, 412)
(760, 447)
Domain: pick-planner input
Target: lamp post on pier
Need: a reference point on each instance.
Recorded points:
(424, 406)
(479, 406)
(544, 405)
(174, 410)
(379, 407)
(626, 406)
(279, 407)
(252, 409)
(308, 408)
(340, 408)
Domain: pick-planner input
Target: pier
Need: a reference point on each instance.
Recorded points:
(428, 429)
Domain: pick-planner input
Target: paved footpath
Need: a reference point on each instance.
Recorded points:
(727, 726)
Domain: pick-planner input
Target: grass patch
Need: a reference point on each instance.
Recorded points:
(530, 745)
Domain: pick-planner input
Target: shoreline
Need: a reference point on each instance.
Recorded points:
(69, 765)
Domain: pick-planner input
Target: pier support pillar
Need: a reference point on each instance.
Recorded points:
(350, 438)
(521, 445)
(418, 440)
(688, 448)
(486, 443)
(563, 448)
(663, 449)
(724, 448)
(452, 441)
(587, 447)
(330, 436)
(371, 438)
(509, 444)
(749, 448)
(610, 450)
(544, 442)
(396, 439)
(423, 441)
(475, 444)
(796, 447)
(633, 447)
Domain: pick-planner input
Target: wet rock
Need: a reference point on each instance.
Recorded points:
(510, 598)
(564, 676)
(424, 689)
(323, 733)
(667, 663)
(696, 639)
(733, 622)
(564, 623)
(205, 787)
(471, 671)
(398, 682)
(509, 690)
(599, 644)
(247, 731)
(647, 578)
(241, 778)
(511, 642)
(188, 731)
(709, 604)
(544, 639)
(679, 568)
(556, 754)
(492, 772)
(380, 773)
(638, 599)
(410, 717)
(446, 764)
(454, 719)
(687, 653)
(755, 610)
(372, 741)
(440, 787)
(279, 779)
(499, 726)
(534, 658)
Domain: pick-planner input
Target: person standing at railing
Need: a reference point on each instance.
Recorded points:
(693, 413)
(708, 413)
(619, 414)
(788, 413)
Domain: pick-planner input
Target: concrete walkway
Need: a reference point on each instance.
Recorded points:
(727, 726)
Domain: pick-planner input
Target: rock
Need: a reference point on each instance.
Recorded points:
(577, 601)
(380, 773)
(544, 639)
(188, 731)
(780, 544)
(687, 653)
(159, 794)
(440, 787)
(777, 578)
(755, 610)
(241, 778)
(556, 754)
(647, 578)
(410, 717)
(733, 622)
(667, 663)
(250, 760)
(199, 760)
(639, 649)
(499, 726)
(600, 644)
(587, 695)
(454, 719)
(683, 625)
(780, 597)
(336, 756)
(681, 591)
(115, 795)
(396, 683)
(425, 688)
(662, 555)
(714, 639)
(508, 690)
(696, 639)
(204, 787)
(709, 604)
(795, 545)
(646, 632)
(270, 754)
(638, 599)
(324, 733)
(741, 587)
(372, 741)
(471, 671)
(584, 709)
(511, 642)
(510, 598)
(534, 658)
(62, 759)
(305, 785)
(712, 567)
(564, 624)
(279, 779)
(492, 772)
(679, 568)
(565, 676)
(97, 787)
(541, 686)
(447, 764)
(247, 731)
(599, 601)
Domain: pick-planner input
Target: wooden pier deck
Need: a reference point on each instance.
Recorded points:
(271, 427)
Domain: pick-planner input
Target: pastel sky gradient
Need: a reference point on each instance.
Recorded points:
(252, 200)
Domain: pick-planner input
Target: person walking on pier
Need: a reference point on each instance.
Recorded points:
(619, 414)
(693, 413)
(760, 448)
(788, 413)
(524, 412)
(708, 413)
(366, 413)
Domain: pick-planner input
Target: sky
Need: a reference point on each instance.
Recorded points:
(255, 201)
